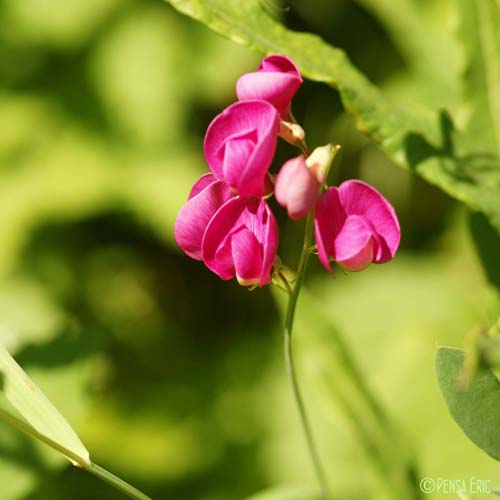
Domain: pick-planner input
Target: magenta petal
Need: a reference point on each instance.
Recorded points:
(276, 81)
(240, 144)
(246, 252)
(201, 184)
(359, 198)
(196, 213)
(235, 215)
(296, 188)
(328, 221)
(354, 245)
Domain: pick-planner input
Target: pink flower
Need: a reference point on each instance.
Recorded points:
(276, 81)
(240, 144)
(355, 225)
(206, 197)
(241, 240)
(296, 188)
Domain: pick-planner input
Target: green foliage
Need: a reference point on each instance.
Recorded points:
(415, 137)
(33, 405)
(474, 404)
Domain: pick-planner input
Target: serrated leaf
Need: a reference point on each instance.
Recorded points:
(33, 405)
(475, 407)
(417, 138)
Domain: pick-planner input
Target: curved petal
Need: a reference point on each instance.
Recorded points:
(216, 252)
(276, 81)
(266, 219)
(296, 188)
(196, 213)
(204, 181)
(242, 119)
(359, 198)
(328, 221)
(354, 245)
(247, 257)
(218, 249)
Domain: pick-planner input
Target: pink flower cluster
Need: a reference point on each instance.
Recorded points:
(226, 221)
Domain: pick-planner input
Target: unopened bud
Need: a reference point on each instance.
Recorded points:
(292, 133)
(320, 160)
(296, 188)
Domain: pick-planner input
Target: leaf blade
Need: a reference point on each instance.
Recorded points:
(476, 409)
(33, 405)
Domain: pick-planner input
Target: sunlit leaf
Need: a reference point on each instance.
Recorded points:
(34, 406)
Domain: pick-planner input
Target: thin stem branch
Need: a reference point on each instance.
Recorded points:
(75, 459)
(289, 360)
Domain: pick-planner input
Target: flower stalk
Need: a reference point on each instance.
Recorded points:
(289, 359)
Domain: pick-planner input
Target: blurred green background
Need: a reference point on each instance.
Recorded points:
(173, 378)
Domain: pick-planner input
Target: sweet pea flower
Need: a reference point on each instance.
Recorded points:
(240, 144)
(355, 225)
(206, 197)
(296, 188)
(276, 81)
(241, 241)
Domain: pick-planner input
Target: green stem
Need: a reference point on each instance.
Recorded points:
(290, 365)
(75, 459)
(116, 482)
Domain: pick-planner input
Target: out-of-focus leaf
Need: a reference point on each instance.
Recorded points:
(416, 138)
(481, 38)
(416, 28)
(132, 70)
(45, 22)
(286, 493)
(487, 242)
(33, 405)
(475, 407)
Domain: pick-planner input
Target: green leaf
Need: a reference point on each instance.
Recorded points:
(481, 39)
(34, 406)
(286, 493)
(487, 243)
(475, 408)
(415, 137)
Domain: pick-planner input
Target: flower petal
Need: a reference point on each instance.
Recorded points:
(244, 168)
(328, 221)
(296, 188)
(276, 81)
(247, 257)
(234, 216)
(354, 245)
(201, 184)
(359, 198)
(196, 213)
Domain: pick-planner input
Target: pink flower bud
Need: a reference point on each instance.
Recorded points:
(355, 225)
(240, 144)
(296, 188)
(206, 197)
(241, 241)
(276, 81)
